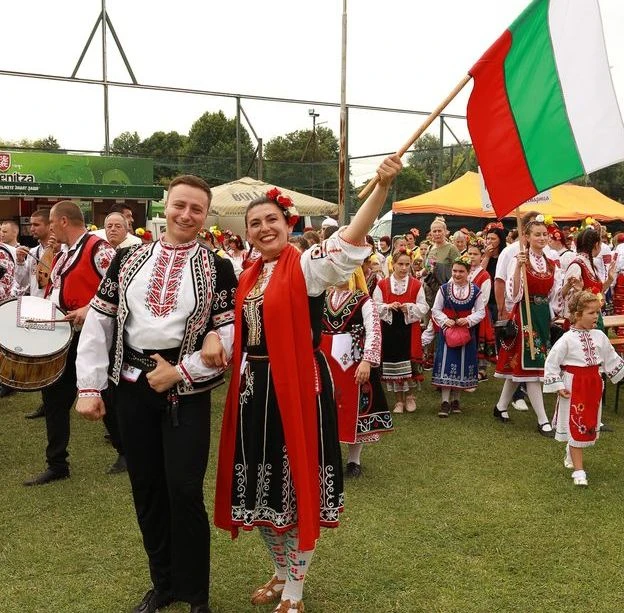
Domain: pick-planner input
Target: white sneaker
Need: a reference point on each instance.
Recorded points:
(520, 405)
(567, 463)
(582, 481)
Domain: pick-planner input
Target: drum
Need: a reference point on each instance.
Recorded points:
(33, 343)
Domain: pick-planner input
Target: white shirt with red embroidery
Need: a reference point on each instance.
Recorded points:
(28, 268)
(160, 297)
(460, 292)
(416, 311)
(102, 257)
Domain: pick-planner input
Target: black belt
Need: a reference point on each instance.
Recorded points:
(142, 361)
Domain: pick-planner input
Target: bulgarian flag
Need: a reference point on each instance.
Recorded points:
(543, 108)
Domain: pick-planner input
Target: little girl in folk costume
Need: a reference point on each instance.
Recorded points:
(351, 342)
(572, 370)
(401, 303)
(486, 340)
(458, 304)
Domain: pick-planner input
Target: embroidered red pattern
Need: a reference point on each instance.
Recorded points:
(164, 285)
(588, 347)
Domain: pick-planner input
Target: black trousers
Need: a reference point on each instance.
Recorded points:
(58, 399)
(111, 421)
(167, 464)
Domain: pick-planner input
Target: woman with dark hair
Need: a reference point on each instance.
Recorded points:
(279, 458)
(385, 246)
(582, 274)
(236, 250)
(494, 244)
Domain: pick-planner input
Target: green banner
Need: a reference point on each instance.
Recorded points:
(28, 173)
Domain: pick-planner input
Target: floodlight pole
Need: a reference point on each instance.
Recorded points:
(343, 213)
(105, 81)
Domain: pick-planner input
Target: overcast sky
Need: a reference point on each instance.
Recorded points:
(401, 54)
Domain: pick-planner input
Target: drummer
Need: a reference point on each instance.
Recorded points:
(31, 266)
(76, 273)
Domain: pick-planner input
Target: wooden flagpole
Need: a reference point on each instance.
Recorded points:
(434, 114)
(525, 287)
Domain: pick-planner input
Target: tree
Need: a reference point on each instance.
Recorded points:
(127, 143)
(609, 181)
(49, 143)
(165, 148)
(212, 143)
(305, 162)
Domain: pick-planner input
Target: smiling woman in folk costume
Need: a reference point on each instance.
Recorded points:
(486, 341)
(458, 304)
(279, 458)
(573, 371)
(401, 302)
(515, 363)
(581, 273)
(351, 341)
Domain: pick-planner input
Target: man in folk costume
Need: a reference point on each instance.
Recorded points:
(37, 264)
(156, 307)
(76, 273)
(351, 341)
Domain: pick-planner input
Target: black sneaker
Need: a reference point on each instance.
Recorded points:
(445, 409)
(353, 470)
(40, 412)
(118, 466)
(455, 408)
(152, 601)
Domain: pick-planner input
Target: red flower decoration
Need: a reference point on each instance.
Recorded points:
(285, 203)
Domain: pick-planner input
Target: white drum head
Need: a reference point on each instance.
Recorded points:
(31, 340)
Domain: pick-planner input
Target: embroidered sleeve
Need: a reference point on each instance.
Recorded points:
(509, 287)
(553, 375)
(416, 311)
(372, 341)
(486, 289)
(385, 314)
(103, 257)
(437, 315)
(225, 290)
(478, 311)
(555, 297)
(193, 370)
(94, 346)
(7, 274)
(331, 263)
(613, 363)
(106, 299)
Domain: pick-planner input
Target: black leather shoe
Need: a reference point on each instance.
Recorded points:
(547, 433)
(118, 466)
(200, 608)
(499, 415)
(6, 391)
(47, 476)
(353, 470)
(40, 412)
(152, 600)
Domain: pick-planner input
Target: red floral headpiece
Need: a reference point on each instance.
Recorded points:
(494, 225)
(555, 233)
(285, 203)
(415, 232)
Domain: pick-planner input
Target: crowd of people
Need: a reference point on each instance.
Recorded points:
(311, 328)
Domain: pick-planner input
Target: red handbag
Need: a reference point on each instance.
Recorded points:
(457, 336)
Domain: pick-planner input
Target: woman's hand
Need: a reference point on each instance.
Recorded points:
(394, 306)
(388, 170)
(564, 393)
(450, 323)
(362, 372)
(522, 257)
(212, 352)
(462, 321)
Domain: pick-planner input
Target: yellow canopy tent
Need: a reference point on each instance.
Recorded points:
(463, 197)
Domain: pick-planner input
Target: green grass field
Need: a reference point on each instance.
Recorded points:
(464, 514)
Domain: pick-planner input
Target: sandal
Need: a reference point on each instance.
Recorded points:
(267, 593)
(286, 605)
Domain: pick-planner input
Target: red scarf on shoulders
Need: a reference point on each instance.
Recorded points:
(289, 341)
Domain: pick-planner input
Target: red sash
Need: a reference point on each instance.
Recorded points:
(289, 343)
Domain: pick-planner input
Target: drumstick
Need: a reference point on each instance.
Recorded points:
(47, 321)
